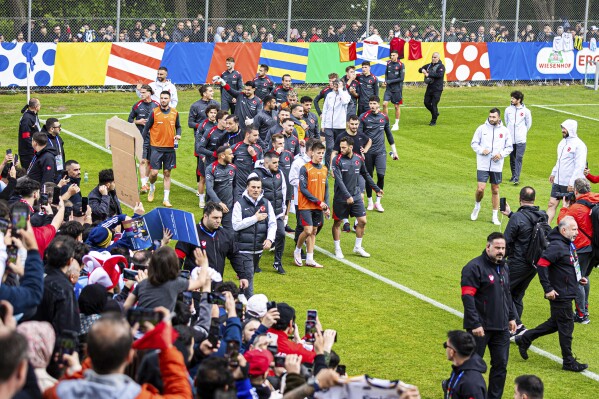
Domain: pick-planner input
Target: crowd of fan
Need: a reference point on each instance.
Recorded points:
(192, 30)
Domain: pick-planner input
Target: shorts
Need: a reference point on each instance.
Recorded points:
(558, 188)
(376, 161)
(482, 176)
(201, 168)
(311, 217)
(394, 96)
(163, 160)
(343, 210)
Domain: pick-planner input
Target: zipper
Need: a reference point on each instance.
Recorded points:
(492, 147)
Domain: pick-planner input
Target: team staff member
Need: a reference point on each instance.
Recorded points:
(264, 85)
(313, 200)
(394, 77)
(369, 87)
(28, 126)
(161, 84)
(488, 311)
(140, 112)
(334, 116)
(161, 132)
(560, 276)
(491, 143)
(204, 127)
(348, 167)
(43, 166)
(197, 111)
(375, 125)
(221, 177)
(233, 79)
(353, 86)
(247, 104)
(52, 129)
(570, 165)
(518, 120)
(433, 77)
(333, 77)
(466, 380)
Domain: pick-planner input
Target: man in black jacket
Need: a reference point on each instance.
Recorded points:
(103, 199)
(466, 379)
(433, 77)
(518, 233)
(560, 275)
(488, 311)
(52, 129)
(28, 126)
(43, 166)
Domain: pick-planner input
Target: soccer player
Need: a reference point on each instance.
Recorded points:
(394, 77)
(197, 111)
(375, 125)
(313, 199)
(220, 182)
(234, 131)
(333, 77)
(369, 86)
(310, 118)
(281, 91)
(214, 138)
(161, 132)
(245, 155)
(347, 169)
(264, 85)
(234, 79)
(353, 86)
(247, 104)
(286, 158)
(204, 127)
(140, 112)
(161, 84)
(265, 119)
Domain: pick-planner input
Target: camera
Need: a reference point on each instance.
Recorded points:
(141, 315)
(570, 196)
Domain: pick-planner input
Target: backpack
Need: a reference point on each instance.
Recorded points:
(538, 239)
(594, 214)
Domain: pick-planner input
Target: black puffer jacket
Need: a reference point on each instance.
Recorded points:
(556, 269)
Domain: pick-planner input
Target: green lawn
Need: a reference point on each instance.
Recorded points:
(421, 241)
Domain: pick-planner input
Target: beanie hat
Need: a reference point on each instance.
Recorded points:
(100, 237)
(259, 361)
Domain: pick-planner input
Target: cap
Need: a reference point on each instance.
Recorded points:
(256, 306)
(594, 28)
(259, 361)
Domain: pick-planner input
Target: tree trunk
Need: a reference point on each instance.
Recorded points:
(544, 11)
(181, 8)
(492, 10)
(19, 8)
(218, 12)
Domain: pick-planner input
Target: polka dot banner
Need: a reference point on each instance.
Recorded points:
(467, 61)
(14, 65)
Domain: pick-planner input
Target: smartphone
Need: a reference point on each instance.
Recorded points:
(68, 210)
(185, 274)
(280, 360)
(11, 253)
(129, 274)
(271, 305)
(310, 331)
(56, 196)
(16, 159)
(240, 310)
(18, 217)
(214, 332)
(502, 202)
(233, 353)
(273, 349)
(67, 345)
(84, 202)
(3, 226)
(9, 151)
(312, 315)
(216, 299)
(141, 315)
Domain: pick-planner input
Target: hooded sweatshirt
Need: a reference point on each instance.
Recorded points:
(496, 139)
(571, 156)
(518, 120)
(466, 381)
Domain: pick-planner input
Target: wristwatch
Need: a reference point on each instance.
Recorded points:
(313, 382)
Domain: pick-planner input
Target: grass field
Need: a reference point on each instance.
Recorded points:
(421, 242)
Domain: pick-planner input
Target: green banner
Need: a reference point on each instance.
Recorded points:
(323, 59)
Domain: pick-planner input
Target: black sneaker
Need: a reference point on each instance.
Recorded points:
(289, 229)
(575, 366)
(346, 228)
(433, 123)
(257, 270)
(581, 320)
(522, 348)
(278, 268)
(516, 182)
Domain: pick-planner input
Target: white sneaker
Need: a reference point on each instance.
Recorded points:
(362, 252)
(496, 222)
(297, 258)
(339, 254)
(379, 207)
(474, 214)
(202, 203)
(395, 126)
(370, 206)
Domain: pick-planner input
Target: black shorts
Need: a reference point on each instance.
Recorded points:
(343, 210)
(394, 96)
(376, 160)
(558, 188)
(201, 168)
(311, 217)
(163, 160)
(483, 176)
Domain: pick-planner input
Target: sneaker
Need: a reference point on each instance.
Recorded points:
(474, 214)
(297, 258)
(575, 366)
(432, 123)
(167, 204)
(257, 270)
(289, 229)
(496, 222)
(145, 188)
(516, 182)
(522, 348)
(202, 203)
(278, 268)
(362, 252)
(314, 264)
(582, 320)
(339, 254)
(198, 193)
(151, 195)
(346, 228)
(379, 207)
(521, 330)
(395, 126)
(511, 179)
(370, 206)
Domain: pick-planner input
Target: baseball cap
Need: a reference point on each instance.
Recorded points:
(259, 361)
(256, 306)
(594, 27)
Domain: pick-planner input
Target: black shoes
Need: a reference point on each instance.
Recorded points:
(522, 348)
(575, 366)
(289, 229)
(278, 268)
(433, 123)
(258, 270)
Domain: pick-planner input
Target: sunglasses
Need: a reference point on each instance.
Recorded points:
(445, 346)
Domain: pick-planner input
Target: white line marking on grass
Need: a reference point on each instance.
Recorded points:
(565, 112)
(370, 273)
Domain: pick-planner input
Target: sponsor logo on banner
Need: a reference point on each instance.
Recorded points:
(586, 59)
(555, 62)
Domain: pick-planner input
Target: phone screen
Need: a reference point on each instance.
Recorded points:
(19, 217)
(56, 196)
(84, 202)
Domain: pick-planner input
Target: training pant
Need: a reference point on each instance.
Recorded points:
(499, 348)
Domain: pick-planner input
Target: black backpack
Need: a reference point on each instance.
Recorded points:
(538, 239)
(594, 222)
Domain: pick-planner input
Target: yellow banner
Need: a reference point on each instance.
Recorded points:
(412, 74)
(82, 64)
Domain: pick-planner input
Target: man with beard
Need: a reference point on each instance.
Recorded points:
(214, 138)
(197, 111)
(265, 119)
(247, 104)
(220, 183)
(233, 79)
(264, 85)
(245, 155)
(139, 115)
(161, 84)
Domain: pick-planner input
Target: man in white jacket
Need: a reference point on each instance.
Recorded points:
(571, 161)
(161, 84)
(492, 143)
(334, 116)
(518, 120)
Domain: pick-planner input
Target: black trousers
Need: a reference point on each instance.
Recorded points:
(279, 240)
(520, 277)
(431, 99)
(499, 348)
(562, 321)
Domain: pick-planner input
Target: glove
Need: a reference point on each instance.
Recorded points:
(249, 122)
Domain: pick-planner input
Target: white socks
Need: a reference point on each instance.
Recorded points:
(337, 245)
(144, 180)
(202, 196)
(166, 194)
(358, 243)
(477, 205)
(309, 257)
(495, 213)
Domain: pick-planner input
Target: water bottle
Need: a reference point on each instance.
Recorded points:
(176, 144)
(85, 177)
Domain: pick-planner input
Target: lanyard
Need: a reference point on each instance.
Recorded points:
(207, 232)
(449, 393)
(57, 144)
(31, 164)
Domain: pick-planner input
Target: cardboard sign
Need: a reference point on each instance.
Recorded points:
(123, 146)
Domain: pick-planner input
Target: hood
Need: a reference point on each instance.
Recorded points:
(260, 164)
(555, 235)
(112, 386)
(492, 126)
(532, 209)
(47, 149)
(475, 363)
(220, 30)
(246, 195)
(571, 126)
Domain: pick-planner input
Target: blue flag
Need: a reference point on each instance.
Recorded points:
(30, 61)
